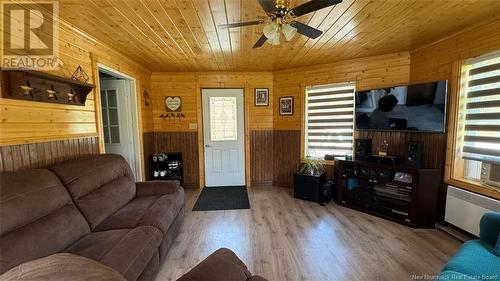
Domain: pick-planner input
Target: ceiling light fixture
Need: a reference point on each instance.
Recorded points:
(288, 31)
(273, 31)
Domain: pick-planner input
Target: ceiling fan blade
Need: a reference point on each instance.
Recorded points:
(238, 24)
(267, 5)
(306, 30)
(312, 6)
(260, 42)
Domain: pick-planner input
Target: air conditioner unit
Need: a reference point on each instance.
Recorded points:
(490, 174)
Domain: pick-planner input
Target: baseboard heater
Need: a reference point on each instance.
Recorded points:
(464, 209)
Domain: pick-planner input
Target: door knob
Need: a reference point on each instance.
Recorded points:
(207, 145)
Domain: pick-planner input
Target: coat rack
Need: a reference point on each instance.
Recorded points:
(43, 87)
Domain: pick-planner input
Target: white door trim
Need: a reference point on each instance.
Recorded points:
(132, 93)
(241, 132)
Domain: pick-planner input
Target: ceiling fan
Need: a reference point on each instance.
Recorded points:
(282, 18)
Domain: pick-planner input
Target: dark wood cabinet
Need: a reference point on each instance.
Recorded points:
(402, 194)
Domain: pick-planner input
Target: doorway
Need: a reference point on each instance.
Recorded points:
(224, 137)
(119, 117)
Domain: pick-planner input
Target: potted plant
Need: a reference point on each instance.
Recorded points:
(309, 179)
(311, 167)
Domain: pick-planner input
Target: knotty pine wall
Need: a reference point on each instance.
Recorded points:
(273, 145)
(23, 122)
(188, 85)
(443, 60)
(368, 73)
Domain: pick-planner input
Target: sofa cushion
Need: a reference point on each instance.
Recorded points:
(222, 264)
(475, 258)
(37, 217)
(127, 251)
(158, 211)
(99, 185)
(156, 187)
(61, 267)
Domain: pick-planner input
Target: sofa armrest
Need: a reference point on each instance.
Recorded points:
(147, 188)
(61, 266)
(489, 227)
(222, 264)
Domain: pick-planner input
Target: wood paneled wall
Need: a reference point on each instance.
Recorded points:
(184, 142)
(442, 61)
(25, 122)
(370, 72)
(435, 62)
(39, 155)
(286, 156)
(434, 145)
(188, 86)
(261, 157)
(30, 122)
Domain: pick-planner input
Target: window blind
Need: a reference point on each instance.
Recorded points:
(481, 139)
(330, 120)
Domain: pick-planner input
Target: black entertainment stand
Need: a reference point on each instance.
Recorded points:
(401, 194)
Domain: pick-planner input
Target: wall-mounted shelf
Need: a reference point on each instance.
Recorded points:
(43, 87)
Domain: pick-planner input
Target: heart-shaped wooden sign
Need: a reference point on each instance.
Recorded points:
(173, 103)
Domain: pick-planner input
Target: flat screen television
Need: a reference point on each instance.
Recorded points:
(419, 108)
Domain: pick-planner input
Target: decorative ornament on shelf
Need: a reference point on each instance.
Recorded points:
(71, 96)
(51, 93)
(384, 148)
(27, 89)
(80, 75)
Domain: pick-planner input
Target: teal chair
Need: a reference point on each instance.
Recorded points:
(476, 259)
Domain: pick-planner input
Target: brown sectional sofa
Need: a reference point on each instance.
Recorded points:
(87, 219)
(91, 207)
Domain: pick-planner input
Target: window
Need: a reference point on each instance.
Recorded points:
(223, 119)
(479, 115)
(329, 120)
(111, 126)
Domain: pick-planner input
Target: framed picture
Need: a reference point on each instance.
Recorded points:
(286, 106)
(261, 97)
(173, 104)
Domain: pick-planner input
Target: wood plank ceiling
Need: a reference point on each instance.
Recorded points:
(182, 35)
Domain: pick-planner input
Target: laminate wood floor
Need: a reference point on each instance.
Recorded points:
(286, 239)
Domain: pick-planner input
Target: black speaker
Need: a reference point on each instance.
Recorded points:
(363, 149)
(326, 193)
(309, 187)
(414, 151)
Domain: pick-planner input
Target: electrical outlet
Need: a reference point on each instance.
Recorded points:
(193, 126)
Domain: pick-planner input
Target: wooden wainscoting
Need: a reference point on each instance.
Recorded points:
(261, 157)
(185, 142)
(39, 155)
(286, 157)
(434, 145)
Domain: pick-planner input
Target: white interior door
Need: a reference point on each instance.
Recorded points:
(117, 119)
(223, 127)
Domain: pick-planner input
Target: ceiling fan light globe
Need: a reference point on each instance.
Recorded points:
(275, 40)
(288, 31)
(271, 30)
